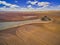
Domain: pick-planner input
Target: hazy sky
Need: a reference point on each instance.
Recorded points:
(30, 4)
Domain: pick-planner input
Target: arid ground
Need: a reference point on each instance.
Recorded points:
(31, 34)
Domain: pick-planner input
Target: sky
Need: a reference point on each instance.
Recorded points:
(18, 5)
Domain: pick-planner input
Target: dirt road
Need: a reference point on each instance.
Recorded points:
(6, 25)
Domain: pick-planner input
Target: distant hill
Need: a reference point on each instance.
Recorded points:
(17, 16)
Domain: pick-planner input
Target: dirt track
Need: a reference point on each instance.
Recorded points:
(6, 25)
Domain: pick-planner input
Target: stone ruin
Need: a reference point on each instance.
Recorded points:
(46, 18)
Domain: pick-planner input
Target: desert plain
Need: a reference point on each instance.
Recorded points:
(31, 34)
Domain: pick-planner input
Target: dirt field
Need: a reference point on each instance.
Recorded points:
(32, 34)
